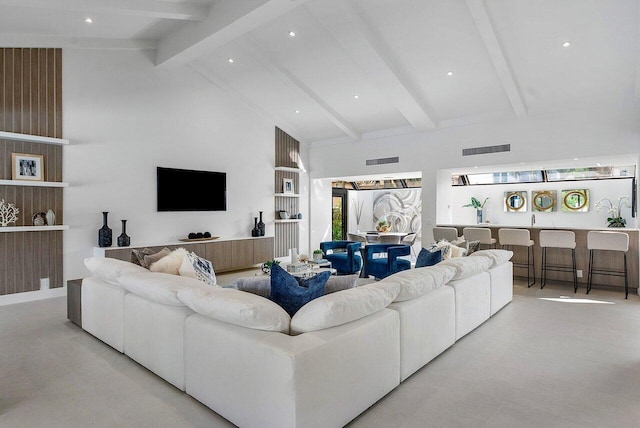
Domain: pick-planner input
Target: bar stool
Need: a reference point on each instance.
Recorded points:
(520, 238)
(482, 234)
(449, 234)
(561, 239)
(608, 241)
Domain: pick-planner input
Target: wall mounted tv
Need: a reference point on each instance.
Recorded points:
(189, 190)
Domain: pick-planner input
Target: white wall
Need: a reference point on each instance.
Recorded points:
(124, 118)
(558, 135)
(611, 189)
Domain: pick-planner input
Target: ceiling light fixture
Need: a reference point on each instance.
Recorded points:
(297, 111)
(292, 33)
(449, 73)
(230, 60)
(355, 96)
(88, 20)
(566, 44)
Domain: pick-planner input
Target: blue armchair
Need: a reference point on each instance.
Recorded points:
(345, 262)
(382, 267)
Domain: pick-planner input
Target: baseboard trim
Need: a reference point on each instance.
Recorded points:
(31, 296)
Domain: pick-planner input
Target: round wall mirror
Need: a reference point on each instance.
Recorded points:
(544, 200)
(575, 200)
(515, 201)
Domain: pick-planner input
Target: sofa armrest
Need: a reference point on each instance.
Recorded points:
(310, 380)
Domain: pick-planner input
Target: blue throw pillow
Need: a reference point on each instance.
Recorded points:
(292, 293)
(428, 258)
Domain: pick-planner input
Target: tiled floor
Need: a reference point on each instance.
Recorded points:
(537, 363)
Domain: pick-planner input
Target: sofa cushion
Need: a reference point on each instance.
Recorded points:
(467, 266)
(342, 307)
(237, 307)
(194, 266)
(291, 292)
(428, 257)
(159, 287)
(151, 258)
(418, 282)
(470, 246)
(497, 257)
(110, 270)
(261, 285)
(170, 263)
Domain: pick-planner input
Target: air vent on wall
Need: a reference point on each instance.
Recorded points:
(383, 161)
(486, 149)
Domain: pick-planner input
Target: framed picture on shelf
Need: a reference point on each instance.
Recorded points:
(27, 167)
(287, 186)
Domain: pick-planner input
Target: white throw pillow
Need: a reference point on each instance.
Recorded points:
(418, 282)
(110, 270)
(343, 307)
(497, 257)
(159, 287)
(170, 263)
(194, 266)
(467, 266)
(237, 307)
(455, 251)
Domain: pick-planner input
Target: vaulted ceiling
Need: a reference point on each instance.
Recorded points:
(359, 68)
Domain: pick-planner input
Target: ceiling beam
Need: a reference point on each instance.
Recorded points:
(373, 58)
(228, 20)
(254, 50)
(35, 41)
(146, 8)
(487, 32)
(226, 87)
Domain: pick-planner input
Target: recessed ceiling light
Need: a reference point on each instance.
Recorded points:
(449, 73)
(566, 44)
(292, 33)
(297, 111)
(575, 159)
(355, 96)
(475, 167)
(230, 60)
(88, 20)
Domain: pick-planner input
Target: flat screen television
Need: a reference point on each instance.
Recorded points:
(190, 190)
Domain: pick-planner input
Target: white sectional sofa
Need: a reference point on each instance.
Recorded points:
(244, 357)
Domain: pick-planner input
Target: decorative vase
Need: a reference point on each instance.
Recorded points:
(104, 233)
(261, 227)
(123, 239)
(51, 217)
(255, 231)
(479, 216)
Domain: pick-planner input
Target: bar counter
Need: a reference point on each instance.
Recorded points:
(603, 258)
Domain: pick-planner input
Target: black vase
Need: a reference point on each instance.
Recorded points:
(261, 226)
(255, 231)
(124, 240)
(104, 233)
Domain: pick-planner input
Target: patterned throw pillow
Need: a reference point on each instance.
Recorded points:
(196, 267)
(292, 293)
(427, 257)
(472, 247)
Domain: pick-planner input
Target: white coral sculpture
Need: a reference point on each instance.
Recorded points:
(8, 213)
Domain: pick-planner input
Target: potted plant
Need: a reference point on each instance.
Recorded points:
(383, 226)
(615, 212)
(475, 203)
(317, 254)
(266, 266)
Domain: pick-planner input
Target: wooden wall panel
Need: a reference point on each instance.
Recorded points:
(287, 151)
(31, 103)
